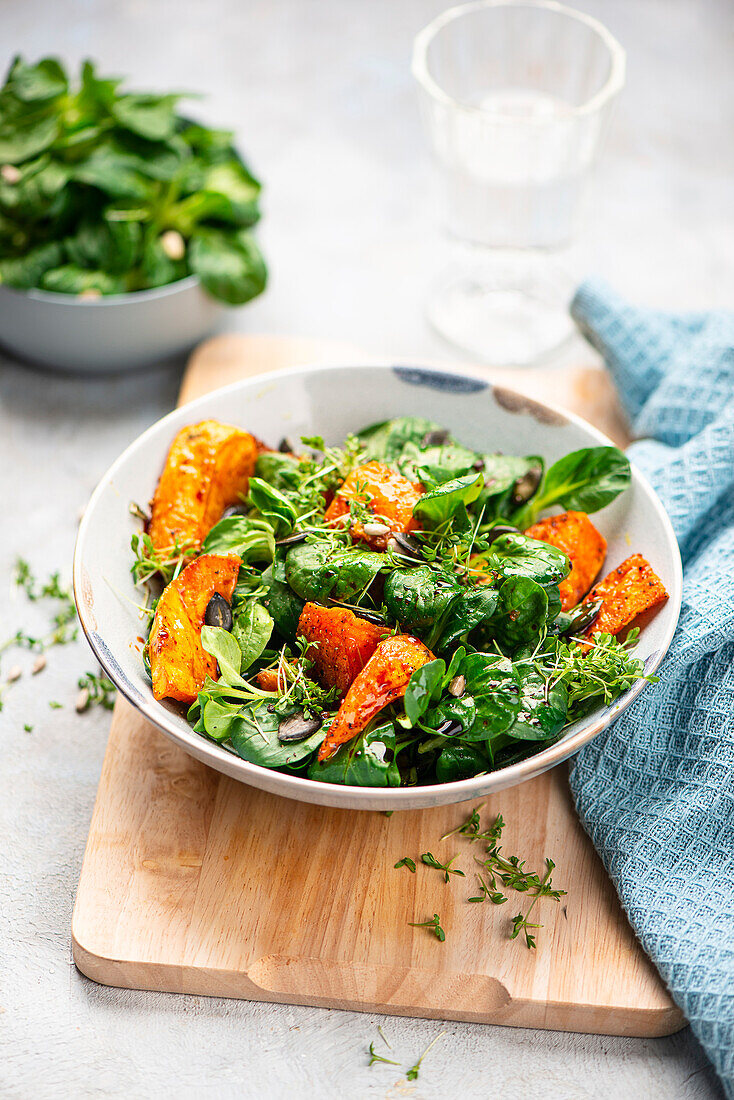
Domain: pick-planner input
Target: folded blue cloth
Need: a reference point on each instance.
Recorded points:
(656, 791)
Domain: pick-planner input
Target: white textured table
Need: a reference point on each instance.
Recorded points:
(321, 96)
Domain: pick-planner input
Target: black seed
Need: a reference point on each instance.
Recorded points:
(298, 727)
(579, 618)
(218, 612)
(437, 438)
(526, 485)
(407, 545)
(285, 446)
(291, 540)
(500, 529)
(235, 510)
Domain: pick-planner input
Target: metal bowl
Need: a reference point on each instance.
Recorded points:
(332, 401)
(115, 332)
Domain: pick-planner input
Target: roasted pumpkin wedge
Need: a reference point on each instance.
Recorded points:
(388, 495)
(586, 548)
(179, 664)
(383, 679)
(628, 591)
(208, 466)
(342, 643)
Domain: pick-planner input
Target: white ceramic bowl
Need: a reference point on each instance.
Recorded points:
(331, 401)
(112, 333)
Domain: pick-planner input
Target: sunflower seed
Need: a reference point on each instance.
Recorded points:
(375, 530)
(457, 686)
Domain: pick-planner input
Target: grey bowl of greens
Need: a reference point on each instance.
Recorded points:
(125, 227)
(416, 609)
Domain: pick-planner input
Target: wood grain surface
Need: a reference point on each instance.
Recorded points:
(195, 883)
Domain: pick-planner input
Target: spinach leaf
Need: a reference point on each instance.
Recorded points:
(436, 464)
(501, 473)
(424, 688)
(462, 710)
(70, 279)
(222, 645)
(275, 508)
(474, 608)
(34, 83)
(28, 270)
(585, 480)
(495, 688)
(280, 470)
(386, 441)
(490, 703)
(553, 593)
(151, 116)
(215, 718)
(521, 612)
(543, 709)
(284, 605)
(459, 760)
(22, 138)
(318, 570)
(252, 628)
(419, 598)
(229, 264)
(519, 556)
(250, 539)
(369, 763)
(254, 737)
(443, 502)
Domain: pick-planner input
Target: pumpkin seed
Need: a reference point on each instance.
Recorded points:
(218, 612)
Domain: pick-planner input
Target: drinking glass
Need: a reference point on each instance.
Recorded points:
(516, 98)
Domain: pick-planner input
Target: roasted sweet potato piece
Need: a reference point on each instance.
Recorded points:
(576, 535)
(628, 591)
(342, 643)
(382, 680)
(208, 466)
(179, 663)
(267, 678)
(384, 492)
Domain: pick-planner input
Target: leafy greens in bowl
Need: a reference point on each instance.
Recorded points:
(105, 192)
(393, 621)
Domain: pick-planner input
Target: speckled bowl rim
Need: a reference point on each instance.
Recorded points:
(342, 795)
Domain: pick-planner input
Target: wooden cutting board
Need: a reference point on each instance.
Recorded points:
(195, 883)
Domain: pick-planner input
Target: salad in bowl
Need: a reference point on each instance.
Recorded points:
(400, 610)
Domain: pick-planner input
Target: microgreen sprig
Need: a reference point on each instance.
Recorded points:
(375, 1057)
(434, 924)
(430, 861)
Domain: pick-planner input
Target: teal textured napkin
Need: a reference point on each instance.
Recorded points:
(656, 791)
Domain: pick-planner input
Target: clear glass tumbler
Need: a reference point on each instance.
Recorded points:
(516, 97)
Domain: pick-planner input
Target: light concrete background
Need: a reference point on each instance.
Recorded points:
(321, 98)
